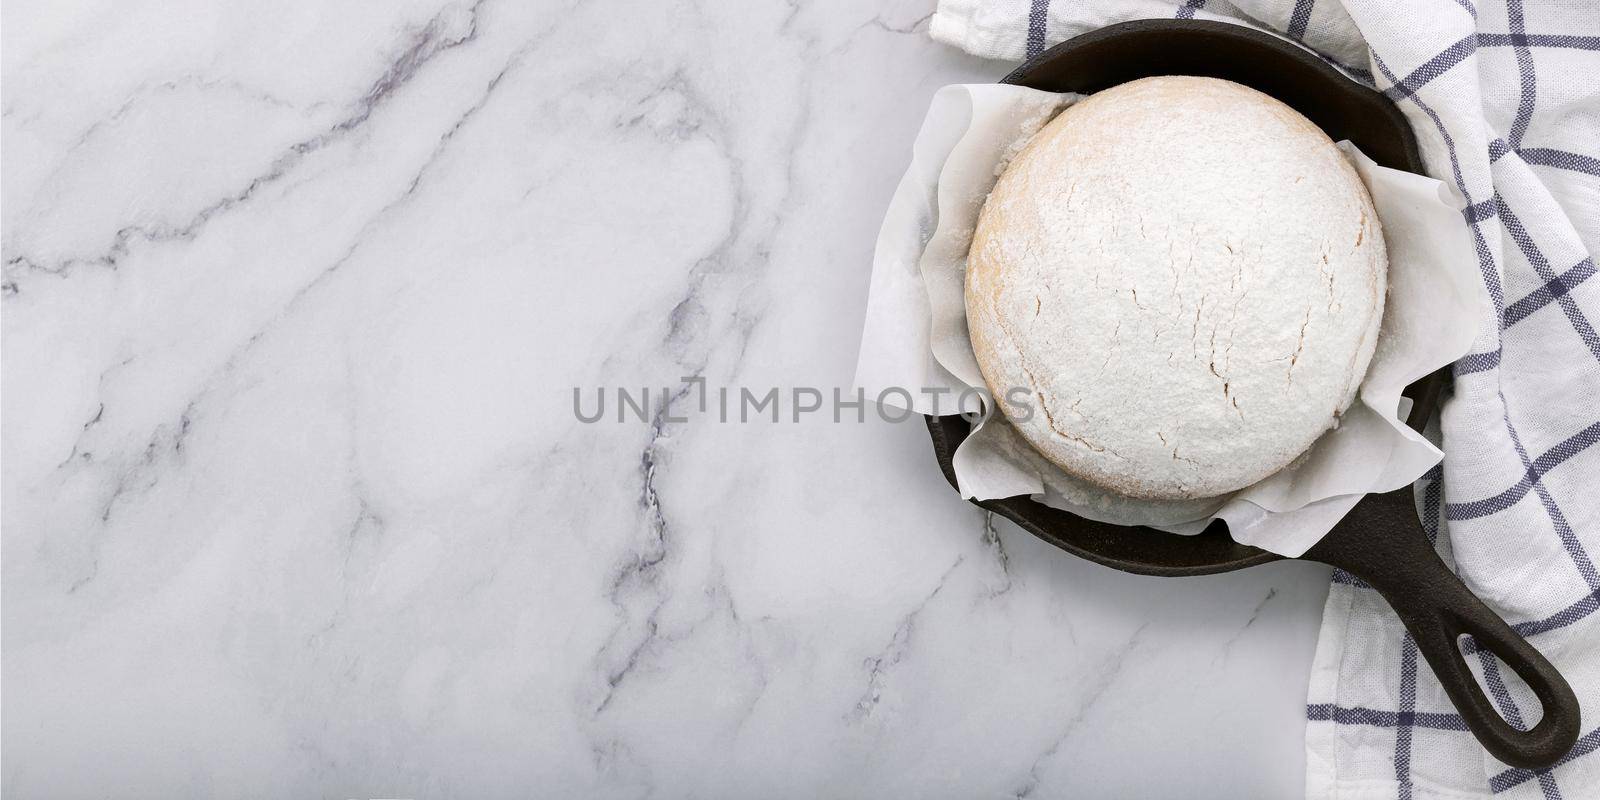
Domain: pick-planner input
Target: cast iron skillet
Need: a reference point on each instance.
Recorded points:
(1381, 541)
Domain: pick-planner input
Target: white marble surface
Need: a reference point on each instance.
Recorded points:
(294, 500)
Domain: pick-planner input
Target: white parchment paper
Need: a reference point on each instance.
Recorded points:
(915, 337)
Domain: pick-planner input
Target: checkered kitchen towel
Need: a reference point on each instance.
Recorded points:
(1505, 98)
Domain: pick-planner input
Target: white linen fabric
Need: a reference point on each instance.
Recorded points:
(1505, 101)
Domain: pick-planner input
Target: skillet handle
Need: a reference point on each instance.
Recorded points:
(1382, 542)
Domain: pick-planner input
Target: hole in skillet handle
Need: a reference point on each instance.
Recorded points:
(1381, 541)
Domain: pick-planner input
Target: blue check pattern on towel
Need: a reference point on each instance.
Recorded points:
(1504, 96)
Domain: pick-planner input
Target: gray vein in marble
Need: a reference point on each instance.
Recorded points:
(687, 318)
(917, 25)
(1104, 678)
(878, 666)
(997, 551)
(424, 46)
(78, 454)
(166, 444)
(638, 582)
(363, 235)
(145, 91)
(637, 589)
(1255, 614)
(129, 479)
(442, 33)
(145, 473)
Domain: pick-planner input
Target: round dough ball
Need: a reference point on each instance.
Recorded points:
(1180, 282)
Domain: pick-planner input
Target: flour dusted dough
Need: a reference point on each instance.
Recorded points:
(1185, 278)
